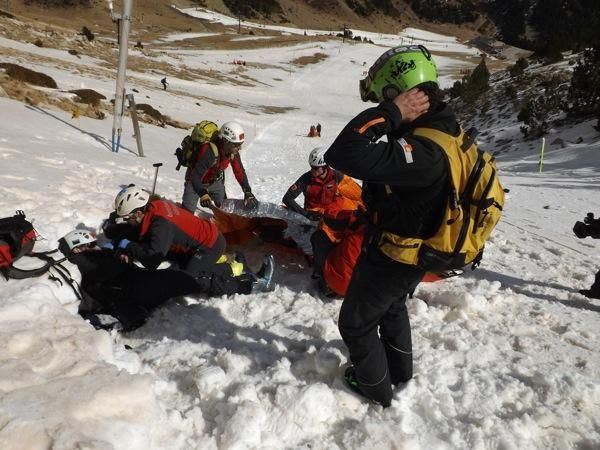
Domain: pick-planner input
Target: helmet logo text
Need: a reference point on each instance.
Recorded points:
(403, 67)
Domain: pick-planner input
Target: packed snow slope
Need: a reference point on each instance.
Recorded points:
(506, 356)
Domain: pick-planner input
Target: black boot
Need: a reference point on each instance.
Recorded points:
(589, 293)
(353, 383)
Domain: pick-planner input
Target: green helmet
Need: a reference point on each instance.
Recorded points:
(396, 71)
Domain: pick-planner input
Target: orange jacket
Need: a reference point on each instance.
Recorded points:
(340, 262)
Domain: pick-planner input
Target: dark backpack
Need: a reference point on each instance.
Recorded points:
(17, 238)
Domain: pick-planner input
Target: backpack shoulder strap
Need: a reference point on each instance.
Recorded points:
(214, 149)
(21, 274)
(441, 138)
(66, 275)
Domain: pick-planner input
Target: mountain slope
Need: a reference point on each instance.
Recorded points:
(505, 357)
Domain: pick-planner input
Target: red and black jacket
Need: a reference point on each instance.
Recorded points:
(319, 193)
(205, 169)
(414, 168)
(170, 232)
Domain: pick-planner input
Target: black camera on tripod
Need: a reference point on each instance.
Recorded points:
(589, 227)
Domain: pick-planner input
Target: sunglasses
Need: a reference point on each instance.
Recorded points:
(234, 144)
(366, 94)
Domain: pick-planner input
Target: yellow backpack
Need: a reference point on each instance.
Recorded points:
(205, 132)
(473, 209)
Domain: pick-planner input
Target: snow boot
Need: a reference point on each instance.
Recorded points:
(325, 291)
(264, 276)
(353, 384)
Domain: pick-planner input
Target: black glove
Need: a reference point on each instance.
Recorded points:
(314, 216)
(250, 201)
(581, 230)
(206, 201)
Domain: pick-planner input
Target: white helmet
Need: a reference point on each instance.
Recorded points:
(232, 132)
(74, 239)
(317, 157)
(130, 199)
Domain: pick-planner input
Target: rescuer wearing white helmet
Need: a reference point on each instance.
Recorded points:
(205, 178)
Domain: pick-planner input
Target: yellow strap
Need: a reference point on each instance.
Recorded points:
(441, 138)
(214, 149)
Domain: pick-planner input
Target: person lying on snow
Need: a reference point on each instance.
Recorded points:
(322, 187)
(129, 293)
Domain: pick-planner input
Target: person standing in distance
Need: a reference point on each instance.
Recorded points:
(405, 189)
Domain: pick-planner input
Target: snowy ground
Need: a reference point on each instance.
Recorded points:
(506, 357)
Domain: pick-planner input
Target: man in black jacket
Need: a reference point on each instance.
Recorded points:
(589, 227)
(405, 189)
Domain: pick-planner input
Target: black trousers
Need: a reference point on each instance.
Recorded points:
(596, 286)
(374, 322)
(130, 293)
(133, 297)
(204, 260)
(321, 247)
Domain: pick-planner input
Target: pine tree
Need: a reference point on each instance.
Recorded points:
(584, 92)
(477, 83)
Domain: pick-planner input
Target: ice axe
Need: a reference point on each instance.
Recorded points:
(156, 166)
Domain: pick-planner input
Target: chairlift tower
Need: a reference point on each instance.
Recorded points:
(124, 24)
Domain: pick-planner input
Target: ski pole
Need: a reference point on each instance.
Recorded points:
(156, 166)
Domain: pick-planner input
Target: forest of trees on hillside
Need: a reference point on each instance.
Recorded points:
(459, 11)
(546, 26)
(365, 8)
(251, 8)
(554, 25)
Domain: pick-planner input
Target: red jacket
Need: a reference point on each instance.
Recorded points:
(321, 192)
(206, 169)
(167, 231)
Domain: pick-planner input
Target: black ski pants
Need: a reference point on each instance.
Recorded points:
(374, 322)
(205, 260)
(132, 297)
(321, 247)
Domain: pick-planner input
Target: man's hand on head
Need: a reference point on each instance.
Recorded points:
(412, 104)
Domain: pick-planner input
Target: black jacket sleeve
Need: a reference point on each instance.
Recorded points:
(359, 152)
(117, 231)
(299, 187)
(151, 251)
(204, 162)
